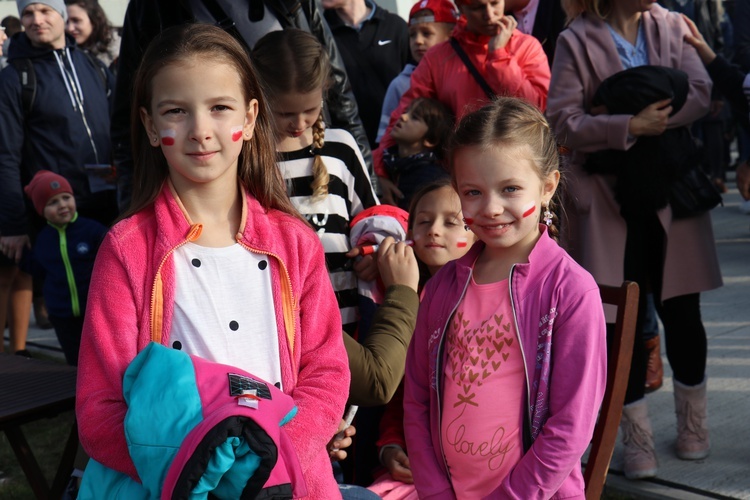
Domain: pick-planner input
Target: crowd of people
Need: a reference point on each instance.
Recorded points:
(352, 216)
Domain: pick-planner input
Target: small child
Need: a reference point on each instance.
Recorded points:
(430, 23)
(420, 134)
(440, 236)
(507, 367)
(63, 257)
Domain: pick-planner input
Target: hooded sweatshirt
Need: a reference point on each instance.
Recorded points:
(53, 135)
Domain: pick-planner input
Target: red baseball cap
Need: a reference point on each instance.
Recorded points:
(443, 11)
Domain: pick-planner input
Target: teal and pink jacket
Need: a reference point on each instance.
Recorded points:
(561, 328)
(130, 304)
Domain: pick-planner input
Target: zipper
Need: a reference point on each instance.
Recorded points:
(520, 345)
(439, 370)
(156, 292)
(74, 302)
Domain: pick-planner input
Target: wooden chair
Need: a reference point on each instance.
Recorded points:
(625, 297)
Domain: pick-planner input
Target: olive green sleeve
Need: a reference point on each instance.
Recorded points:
(377, 365)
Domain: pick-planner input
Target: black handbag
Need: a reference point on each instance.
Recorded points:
(692, 194)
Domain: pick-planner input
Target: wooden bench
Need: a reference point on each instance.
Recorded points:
(31, 389)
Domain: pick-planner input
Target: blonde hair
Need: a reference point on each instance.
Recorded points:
(598, 8)
(293, 61)
(511, 121)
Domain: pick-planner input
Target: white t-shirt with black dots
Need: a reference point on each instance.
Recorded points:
(223, 309)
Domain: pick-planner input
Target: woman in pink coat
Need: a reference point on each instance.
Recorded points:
(675, 259)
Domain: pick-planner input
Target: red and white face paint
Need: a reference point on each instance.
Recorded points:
(168, 136)
(500, 193)
(530, 209)
(236, 133)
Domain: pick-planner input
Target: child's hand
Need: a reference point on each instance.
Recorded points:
(336, 447)
(397, 463)
(696, 40)
(504, 32)
(397, 264)
(389, 193)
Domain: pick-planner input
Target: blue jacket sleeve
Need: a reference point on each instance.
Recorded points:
(12, 206)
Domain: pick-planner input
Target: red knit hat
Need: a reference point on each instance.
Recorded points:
(44, 186)
(443, 11)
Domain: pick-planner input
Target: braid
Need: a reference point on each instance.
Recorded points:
(553, 229)
(320, 173)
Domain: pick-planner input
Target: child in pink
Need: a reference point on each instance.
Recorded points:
(507, 367)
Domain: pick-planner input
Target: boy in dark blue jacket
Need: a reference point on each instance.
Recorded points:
(63, 257)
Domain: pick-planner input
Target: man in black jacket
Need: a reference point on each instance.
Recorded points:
(374, 45)
(248, 21)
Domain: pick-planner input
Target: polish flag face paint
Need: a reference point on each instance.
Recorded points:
(530, 209)
(462, 243)
(167, 137)
(236, 133)
(469, 221)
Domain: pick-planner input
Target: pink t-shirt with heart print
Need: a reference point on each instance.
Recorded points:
(483, 395)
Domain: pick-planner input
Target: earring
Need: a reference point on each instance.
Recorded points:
(547, 215)
(155, 139)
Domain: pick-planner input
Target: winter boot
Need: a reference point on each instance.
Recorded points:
(654, 368)
(640, 455)
(692, 422)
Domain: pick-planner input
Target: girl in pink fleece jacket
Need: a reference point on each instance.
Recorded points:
(211, 258)
(507, 367)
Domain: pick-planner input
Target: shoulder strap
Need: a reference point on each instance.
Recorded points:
(27, 77)
(472, 69)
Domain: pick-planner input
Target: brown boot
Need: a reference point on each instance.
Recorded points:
(654, 368)
(692, 421)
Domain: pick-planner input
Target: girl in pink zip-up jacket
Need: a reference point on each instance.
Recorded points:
(211, 258)
(507, 367)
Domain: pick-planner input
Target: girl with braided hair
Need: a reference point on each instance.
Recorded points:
(325, 173)
(507, 367)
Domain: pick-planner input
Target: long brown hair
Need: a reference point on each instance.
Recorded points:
(256, 165)
(294, 61)
(511, 121)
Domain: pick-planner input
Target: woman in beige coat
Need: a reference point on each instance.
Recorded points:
(675, 259)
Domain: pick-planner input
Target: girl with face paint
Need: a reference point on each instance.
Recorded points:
(507, 367)
(212, 258)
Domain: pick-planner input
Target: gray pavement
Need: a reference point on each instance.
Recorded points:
(726, 314)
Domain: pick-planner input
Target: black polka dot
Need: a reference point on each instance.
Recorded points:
(196, 262)
(234, 326)
(177, 345)
(262, 265)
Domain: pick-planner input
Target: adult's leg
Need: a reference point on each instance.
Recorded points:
(20, 311)
(685, 338)
(7, 274)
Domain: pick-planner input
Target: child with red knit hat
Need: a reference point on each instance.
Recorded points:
(63, 257)
(430, 23)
